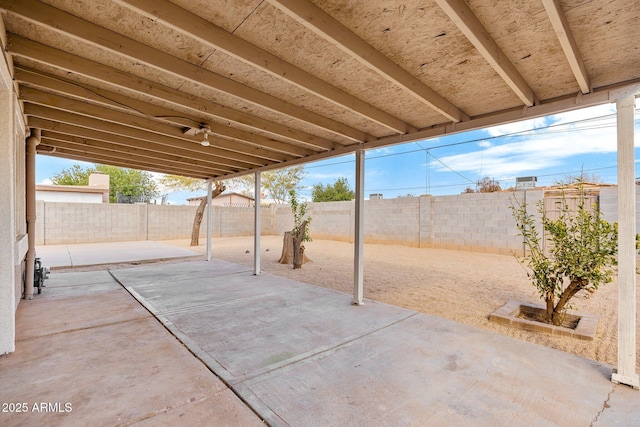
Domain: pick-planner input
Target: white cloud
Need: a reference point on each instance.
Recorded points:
(522, 126)
(587, 131)
(584, 114)
(541, 122)
(46, 181)
(319, 176)
(533, 153)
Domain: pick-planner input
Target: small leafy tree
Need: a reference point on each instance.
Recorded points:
(279, 183)
(338, 191)
(128, 182)
(300, 230)
(581, 256)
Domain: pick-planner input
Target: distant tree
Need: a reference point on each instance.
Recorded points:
(137, 184)
(75, 175)
(279, 183)
(488, 185)
(485, 185)
(335, 192)
(179, 182)
(580, 178)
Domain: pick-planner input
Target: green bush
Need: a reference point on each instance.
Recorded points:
(581, 256)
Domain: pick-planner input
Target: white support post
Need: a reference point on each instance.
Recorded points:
(209, 219)
(358, 264)
(256, 227)
(626, 371)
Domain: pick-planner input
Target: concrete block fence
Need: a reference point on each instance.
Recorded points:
(475, 222)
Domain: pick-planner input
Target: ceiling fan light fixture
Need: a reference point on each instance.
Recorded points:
(205, 139)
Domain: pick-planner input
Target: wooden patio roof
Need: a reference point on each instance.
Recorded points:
(271, 83)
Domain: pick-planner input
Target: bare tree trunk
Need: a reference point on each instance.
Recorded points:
(298, 249)
(550, 300)
(197, 220)
(573, 288)
(287, 250)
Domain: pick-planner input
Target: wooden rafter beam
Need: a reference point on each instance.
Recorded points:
(568, 43)
(472, 28)
(229, 149)
(320, 22)
(97, 96)
(62, 22)
(162, 142)
(119, 142)
(40, 53)
(128, 151)
(115, 161)
(186, 22)
(88, 150)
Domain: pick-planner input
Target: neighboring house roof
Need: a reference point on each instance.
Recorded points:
(70, 188)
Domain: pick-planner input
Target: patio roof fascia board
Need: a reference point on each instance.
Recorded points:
(38, 52)
(323, 24)
(188, 23)
(104, 98)
(605, 95)
(462, 16)
(92, 34)
(568, 43)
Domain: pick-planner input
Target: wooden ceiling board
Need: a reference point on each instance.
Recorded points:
(609, 39)
(420, 69)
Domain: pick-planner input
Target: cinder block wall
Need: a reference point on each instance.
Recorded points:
(67, 223)
(392, 221)
(475, 222)
(609, 204)
(173, 223)
(329, 220)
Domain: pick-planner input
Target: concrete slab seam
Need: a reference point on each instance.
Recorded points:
(315, 352)
(213, 365)
(135, 262)
(261, 408)
(135, 319)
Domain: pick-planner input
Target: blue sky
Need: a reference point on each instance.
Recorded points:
(550, 148)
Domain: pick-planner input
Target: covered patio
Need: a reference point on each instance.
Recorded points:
(265, 348)
(215, 90)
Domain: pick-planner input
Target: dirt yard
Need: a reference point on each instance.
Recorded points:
(461, 286)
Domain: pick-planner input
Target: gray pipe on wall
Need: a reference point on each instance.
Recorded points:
(30, 180)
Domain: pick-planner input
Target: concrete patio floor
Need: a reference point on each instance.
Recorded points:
(292, 353)
(88, 254)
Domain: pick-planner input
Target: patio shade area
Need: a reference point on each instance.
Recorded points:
(214, 89)
(293, 354)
